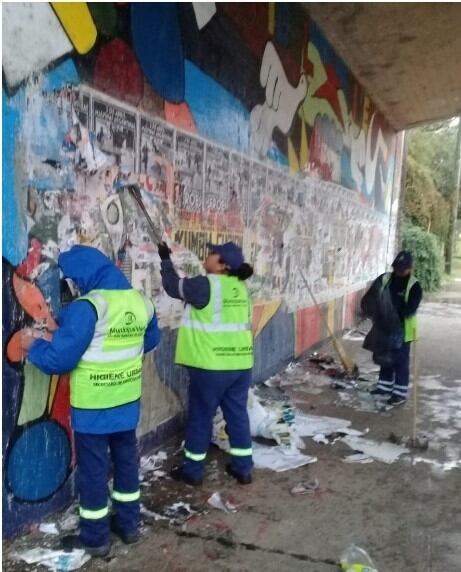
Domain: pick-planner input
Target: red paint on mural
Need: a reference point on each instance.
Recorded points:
(32, 261)
(308, 329)
(180, 115)
(117, 72)
(60, 407)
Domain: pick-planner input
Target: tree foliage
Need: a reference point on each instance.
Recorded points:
(424, 206)
(427, 255)
(430, 177)
(433, 147)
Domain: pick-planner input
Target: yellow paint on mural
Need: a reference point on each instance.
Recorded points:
(315, 106)
(53, 386)
(270, 308)
(292, 157)
(366, 113)
(271, 18)
(304, 150)
(75, 18)
(331, 315)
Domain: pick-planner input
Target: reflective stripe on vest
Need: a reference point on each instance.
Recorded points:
(410, 324)
(219, 336)
(109, 373)
(94, 514)
(126, 497)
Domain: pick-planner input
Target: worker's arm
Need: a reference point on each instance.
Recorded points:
(414, 300)
(368, 304)
(152, 335)
(70, 341)
(195, 291)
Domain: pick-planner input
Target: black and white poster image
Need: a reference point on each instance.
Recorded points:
(276, 186)
(189, 173)
(257, 186)
(239, 185)
(81, 109)
(216, 179)
(115, 132)
(156, 153)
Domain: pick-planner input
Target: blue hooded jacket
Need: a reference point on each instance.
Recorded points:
(90, 270)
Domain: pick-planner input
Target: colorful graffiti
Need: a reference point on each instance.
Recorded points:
(238, 122)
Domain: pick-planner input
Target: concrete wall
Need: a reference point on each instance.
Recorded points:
(238, 121)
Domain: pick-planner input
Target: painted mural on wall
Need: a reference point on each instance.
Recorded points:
(238, 122)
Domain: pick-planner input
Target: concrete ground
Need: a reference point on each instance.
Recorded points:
(407, 514)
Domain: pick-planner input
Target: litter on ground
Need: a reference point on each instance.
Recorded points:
(216, 501)
(48, 528)
(358, 458)
(384, 452)
(306, 488)
(57, 560)
(279, 458)
(177, 513)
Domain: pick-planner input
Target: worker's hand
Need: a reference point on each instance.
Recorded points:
(30, 335)
(164, 251)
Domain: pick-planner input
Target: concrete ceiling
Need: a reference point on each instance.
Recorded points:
(407, 56)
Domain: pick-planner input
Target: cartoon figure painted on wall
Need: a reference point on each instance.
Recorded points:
(39, 457)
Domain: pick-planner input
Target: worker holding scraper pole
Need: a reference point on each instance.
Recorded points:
(215, 343)
(392, 302)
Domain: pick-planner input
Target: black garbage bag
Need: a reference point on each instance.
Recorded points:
(386, 333)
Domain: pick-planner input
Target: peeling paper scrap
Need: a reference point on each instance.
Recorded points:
(57, 560)
(306, 488)
(279, 458)
(358, 458)
(216, 501)
(310, 425)
(48, 528)
(385, 452)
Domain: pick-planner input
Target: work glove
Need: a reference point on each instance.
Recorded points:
(164, 251)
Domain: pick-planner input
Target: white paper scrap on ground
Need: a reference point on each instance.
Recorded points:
(279, 458)
(152, 462)
(48, 528)
(57, 560)
(385, 452)
(309, 425)
(217, 501)
(358, 458)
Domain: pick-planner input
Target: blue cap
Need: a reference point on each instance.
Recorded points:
(403, 261)
(230, 254)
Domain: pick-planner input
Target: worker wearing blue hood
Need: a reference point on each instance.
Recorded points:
(101, 339)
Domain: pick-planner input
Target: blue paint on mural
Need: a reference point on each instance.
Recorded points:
(282, 23)
(14, 234)
(38, 461)
(49, 284)
(62, 76)
(274, 347)
(329, 56)
(157, 41)
(217, 114)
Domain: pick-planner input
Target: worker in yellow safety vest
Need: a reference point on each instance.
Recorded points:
(215, 343)
(403, 292)
(101, 340)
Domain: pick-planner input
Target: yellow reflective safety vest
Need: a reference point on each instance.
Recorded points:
(411, 323)
(218, 337)
(109, 373)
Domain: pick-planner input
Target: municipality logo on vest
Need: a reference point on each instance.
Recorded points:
(129, 327)
(130, 318)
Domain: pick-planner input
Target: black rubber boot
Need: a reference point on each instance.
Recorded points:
(241, 479)
(125, 537)
(177, 475)
(73, 542)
